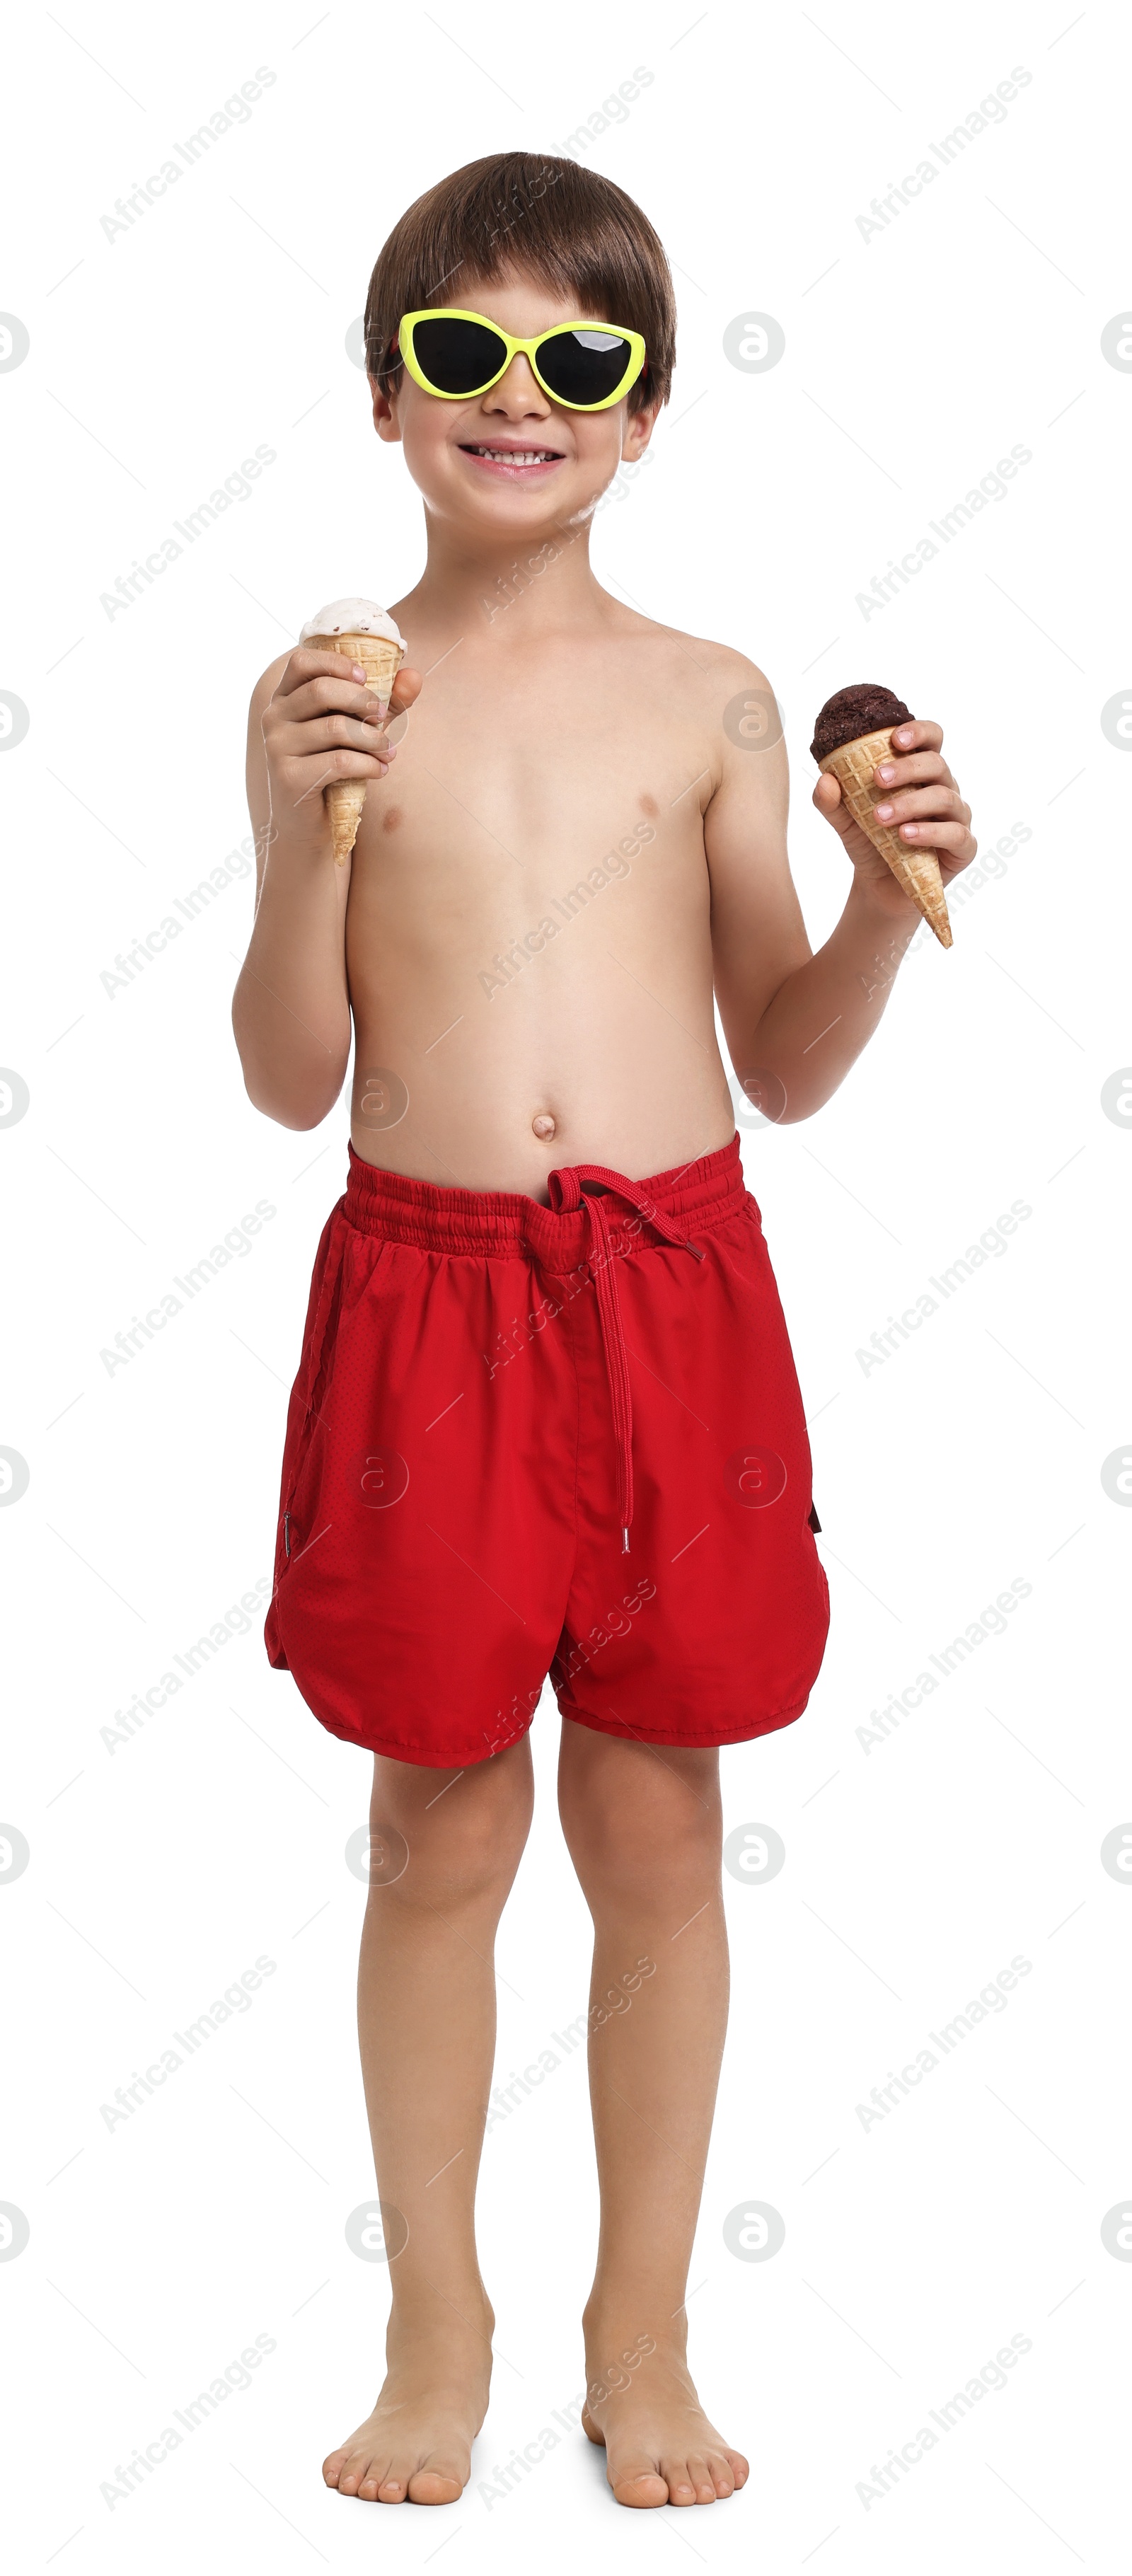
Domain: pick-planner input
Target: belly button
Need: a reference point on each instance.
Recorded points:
(543, 1125)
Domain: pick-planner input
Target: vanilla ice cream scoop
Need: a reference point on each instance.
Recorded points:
(367, 635)
(352, 617)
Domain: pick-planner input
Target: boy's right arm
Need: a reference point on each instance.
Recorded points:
(310, 721)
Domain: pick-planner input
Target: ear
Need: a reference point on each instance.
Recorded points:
(638, 429)
(385, 418)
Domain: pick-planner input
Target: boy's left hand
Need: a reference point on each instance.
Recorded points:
(916, 795)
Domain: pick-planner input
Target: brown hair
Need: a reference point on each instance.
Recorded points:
(574, 229)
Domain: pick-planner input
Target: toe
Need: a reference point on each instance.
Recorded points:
(635, 2481)
(437, 2481)
(701, 2477)
(739, 2467)
(390, 2489)
(678, 2480)
(719, 2472)
(381, 2483)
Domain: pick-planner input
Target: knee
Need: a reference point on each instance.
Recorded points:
(456, 1842)
(646, 1835)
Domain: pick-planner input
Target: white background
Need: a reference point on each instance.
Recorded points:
(916, 1867)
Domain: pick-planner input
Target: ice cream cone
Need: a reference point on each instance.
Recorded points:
(916, 870)
(381, 660)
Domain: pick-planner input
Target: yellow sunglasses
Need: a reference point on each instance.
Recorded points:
(584, 366)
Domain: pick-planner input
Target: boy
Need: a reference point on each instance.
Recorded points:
(546, 1381)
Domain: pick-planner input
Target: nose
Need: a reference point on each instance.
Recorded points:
(518, 392)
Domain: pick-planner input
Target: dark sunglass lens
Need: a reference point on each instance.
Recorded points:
(584, 366)
(458, 357)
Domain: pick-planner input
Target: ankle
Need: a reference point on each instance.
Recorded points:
(464, 2314)
(620, 2327)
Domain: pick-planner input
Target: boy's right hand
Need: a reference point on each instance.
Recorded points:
(322, 723)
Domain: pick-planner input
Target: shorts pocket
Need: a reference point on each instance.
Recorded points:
(334, 1296)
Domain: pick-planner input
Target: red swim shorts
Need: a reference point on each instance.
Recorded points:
(564, 1439)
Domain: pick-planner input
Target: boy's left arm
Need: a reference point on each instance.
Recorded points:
(800, 1019)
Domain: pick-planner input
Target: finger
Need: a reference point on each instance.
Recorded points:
(327, 693)
(952, 837)
(918, 735)
(305, 779)
(304, 666)
(333, 732)
(833, 806)
(918, 802)
(922, 765)
(406, 690)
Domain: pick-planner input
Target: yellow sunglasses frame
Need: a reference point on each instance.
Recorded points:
(404, 347)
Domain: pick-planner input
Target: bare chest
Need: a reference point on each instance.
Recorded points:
(524, 805)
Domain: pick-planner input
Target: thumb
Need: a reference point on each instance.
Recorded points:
(405, 691)
(828, 799)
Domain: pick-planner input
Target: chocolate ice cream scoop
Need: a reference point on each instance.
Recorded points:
(865, 708)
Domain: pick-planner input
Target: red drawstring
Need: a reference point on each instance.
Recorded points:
(567, 1193)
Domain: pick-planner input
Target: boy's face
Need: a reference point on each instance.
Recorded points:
(510, 460)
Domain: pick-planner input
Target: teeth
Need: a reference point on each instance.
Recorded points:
(517, 455)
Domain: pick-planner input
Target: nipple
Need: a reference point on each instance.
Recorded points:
(543, 1125)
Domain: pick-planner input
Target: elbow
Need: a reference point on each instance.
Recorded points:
(286, 1108)
(291, 1094)
(288, 1103)
(283, 1113)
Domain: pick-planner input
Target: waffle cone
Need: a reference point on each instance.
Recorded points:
(916, 870)
(381, 660)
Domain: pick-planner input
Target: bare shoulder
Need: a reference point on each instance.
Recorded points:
(717, 672)
(739, 689)
(726, 660)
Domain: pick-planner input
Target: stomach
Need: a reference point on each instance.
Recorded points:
(490, 1080)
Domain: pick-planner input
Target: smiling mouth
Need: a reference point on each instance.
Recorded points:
(518, 459)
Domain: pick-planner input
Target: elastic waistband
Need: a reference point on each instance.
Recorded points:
(695, 1196)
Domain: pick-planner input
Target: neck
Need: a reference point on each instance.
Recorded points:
(519, 585)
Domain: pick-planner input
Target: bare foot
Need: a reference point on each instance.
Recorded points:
(416, 2447)
(660, 2447)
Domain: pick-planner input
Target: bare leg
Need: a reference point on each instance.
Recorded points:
(446, 1847)
(643, 1827)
